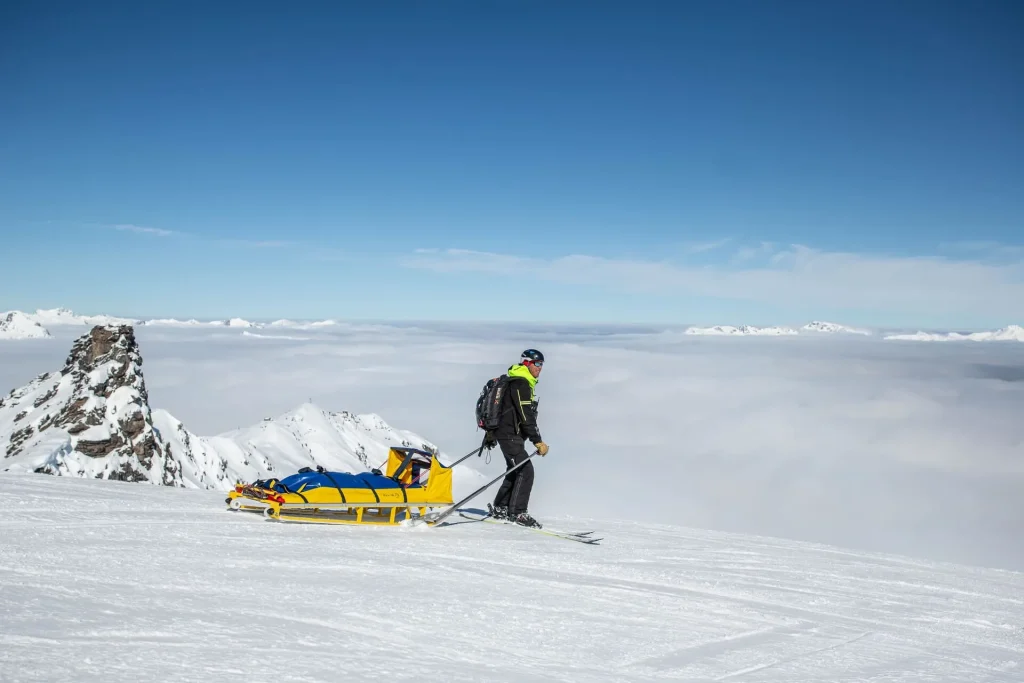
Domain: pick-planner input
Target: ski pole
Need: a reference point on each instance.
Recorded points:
(471, 453)
(434, 518)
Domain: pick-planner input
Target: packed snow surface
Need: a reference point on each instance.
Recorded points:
(112, 581)
(17, 325)
(1008, 333)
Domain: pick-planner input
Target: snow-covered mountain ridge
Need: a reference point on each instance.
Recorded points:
(17, 325)
(832, 328)
(93, 419)
(55, 317)
(33, 325)
(63, 316)
(1008, 333)
(813, 327)
(741, 331)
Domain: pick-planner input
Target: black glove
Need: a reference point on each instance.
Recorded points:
(489, 441)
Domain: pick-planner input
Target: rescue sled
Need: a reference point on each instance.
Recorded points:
(413, 480)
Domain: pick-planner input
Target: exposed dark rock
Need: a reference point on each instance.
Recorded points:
(73, 413)
(134, 425)
(47, 396)
(17, 439)
(100, 448)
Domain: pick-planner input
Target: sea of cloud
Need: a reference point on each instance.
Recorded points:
(905, 447)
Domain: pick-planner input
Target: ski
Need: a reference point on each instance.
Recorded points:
(581, 536)
(492, 520)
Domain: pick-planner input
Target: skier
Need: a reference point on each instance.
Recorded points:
(519, 422)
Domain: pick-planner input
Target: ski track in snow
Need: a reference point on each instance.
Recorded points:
(109, 581)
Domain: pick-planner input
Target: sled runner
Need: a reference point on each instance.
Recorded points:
(413, 480)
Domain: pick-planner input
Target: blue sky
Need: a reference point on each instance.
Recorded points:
(668, 162)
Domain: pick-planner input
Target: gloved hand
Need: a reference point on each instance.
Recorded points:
(489, 441)
(542, 448)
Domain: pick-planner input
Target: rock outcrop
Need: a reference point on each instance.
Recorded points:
(97, 408)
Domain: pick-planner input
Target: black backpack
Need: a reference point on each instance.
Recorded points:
(488, 406)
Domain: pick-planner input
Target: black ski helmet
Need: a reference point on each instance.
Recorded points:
(532, 355)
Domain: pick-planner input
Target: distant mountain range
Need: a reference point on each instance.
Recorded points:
(815, 327)
(19, 325)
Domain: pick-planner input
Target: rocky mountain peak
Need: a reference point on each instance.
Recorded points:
(109, 350)
(96, 406)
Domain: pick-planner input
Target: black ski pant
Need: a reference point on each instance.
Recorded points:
(515, 489)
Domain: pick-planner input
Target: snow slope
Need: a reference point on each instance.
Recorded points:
(110, 581)
(17, 325)
(1008, 333)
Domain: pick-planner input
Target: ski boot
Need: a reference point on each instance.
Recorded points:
(498, 512)
(524, 519)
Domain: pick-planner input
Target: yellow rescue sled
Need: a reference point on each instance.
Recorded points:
(413, 480)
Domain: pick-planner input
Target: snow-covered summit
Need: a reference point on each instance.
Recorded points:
(17, 325)
(93, 419)
(742, 330)
(1008, 333)
(832, 328)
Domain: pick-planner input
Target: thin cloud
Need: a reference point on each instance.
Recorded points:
(796, 275)
(258, 244)
(225, 242)
(142, 230)
(985, 250)
(701, 247)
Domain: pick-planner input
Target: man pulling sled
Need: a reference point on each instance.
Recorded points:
(507, 411)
